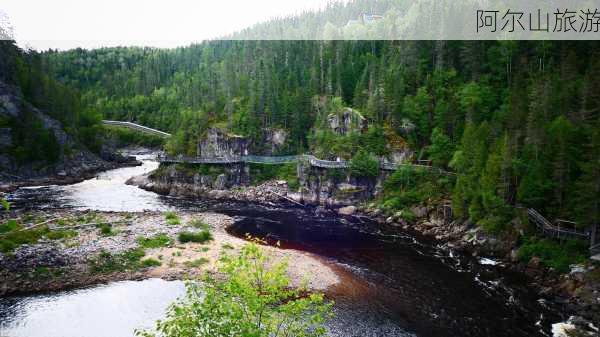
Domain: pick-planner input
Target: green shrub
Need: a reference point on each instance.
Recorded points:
(264, 172)
(157, 241)
(364, 164)
(9, 226)
(106, 229)
(199, 237)
(106, 262)
(196, 263)
(5, 204)
(172, 218)
(553, 254)
(150, 262)
(409, 186)
(11, 240)
(61, 234)
(253, 297)
(197, 223)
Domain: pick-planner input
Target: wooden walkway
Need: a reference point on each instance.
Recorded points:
(137, 127)
(314, 161)
(551, 230)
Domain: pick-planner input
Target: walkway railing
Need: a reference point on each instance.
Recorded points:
(551, 230)
(137, 127)
(595, 250)
(314, 161)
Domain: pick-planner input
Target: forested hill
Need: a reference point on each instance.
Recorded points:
(518, 120)
(44, 129)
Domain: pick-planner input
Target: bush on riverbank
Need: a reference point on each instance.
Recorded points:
(199, 237)
(197, 223)
(14, 235)
(106, 262)
(172, 218)
(264, 172)
(150, 262)
(254, 297)
(553, 254)
(196, 263)
(364, 164)
(156, 241)
(409, 186)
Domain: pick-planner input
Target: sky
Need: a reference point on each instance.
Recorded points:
(67, 24)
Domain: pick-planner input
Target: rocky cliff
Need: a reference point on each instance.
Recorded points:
(70, 161)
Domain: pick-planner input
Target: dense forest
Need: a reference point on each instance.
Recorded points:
(518, 121)
(26, 71)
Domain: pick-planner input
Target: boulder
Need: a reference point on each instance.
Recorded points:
(348, 210)
(220, 182)
(419, 211)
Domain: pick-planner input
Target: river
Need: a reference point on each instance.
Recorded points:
(393, 284)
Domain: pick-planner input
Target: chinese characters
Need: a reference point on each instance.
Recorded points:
(559, 21)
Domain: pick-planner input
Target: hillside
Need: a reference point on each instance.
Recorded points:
(517, 120)
(44, 133)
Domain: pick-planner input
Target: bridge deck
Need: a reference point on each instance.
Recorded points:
(137, 127)
(314, 161)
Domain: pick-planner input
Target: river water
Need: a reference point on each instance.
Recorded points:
(393, 284)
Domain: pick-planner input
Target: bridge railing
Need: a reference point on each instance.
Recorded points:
(595, 249)
(271, 159)
(137, 127)
(163, 158)
(314, 161)
(551, 230)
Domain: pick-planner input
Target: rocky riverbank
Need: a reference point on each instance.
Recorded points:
(104, 246)
(10, 183)
(578, 291)
(310, 185)
(269, 192)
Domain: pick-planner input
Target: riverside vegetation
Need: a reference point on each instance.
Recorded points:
(253, 297)
(517, 122)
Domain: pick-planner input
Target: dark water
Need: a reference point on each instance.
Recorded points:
(392, 284)
(399, 280)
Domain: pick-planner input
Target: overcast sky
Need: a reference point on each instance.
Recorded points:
(65, 24)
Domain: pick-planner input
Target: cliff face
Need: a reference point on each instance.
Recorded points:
(218, 143)
(188, 182)
(316, 186)
(334, 187)
(70, 158)
(310, 185)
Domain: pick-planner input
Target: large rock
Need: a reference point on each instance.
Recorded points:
(219, 143)
(346, 121)
(419, 211)
(348, 210)
(220, 182)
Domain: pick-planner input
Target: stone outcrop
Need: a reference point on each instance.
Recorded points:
(346, 121)
(219, 143)
(334, 187)
(274, 140)
(74, 161)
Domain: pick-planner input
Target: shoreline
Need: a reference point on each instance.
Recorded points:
(11, 186)
(429, 226)
(574, 291)
(22, 274)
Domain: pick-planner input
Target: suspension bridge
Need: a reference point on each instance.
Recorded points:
(137, 127)
(542, 224)
(314, 161)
